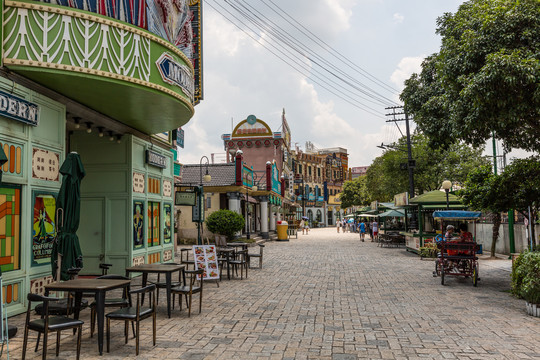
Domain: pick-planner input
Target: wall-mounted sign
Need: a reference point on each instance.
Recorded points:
(155, 159)
(138, 183)
(276, 183)
(167, 188)
(15, 108)
(180, 137)
(45, 165)
(185, 198)
(176, 74)
(401, 199)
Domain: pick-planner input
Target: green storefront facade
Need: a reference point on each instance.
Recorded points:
(77, 80)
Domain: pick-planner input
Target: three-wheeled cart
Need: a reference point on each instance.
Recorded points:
(456, 257)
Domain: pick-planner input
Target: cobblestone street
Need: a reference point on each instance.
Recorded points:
(329, 296)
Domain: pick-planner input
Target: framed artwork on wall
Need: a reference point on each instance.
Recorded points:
(167, 231)
(43, 226)
(138, 224)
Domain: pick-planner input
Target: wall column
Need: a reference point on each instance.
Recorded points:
(234, 202)
(264, 216)
(273, 217)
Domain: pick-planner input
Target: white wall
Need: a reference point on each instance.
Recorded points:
(484, 235)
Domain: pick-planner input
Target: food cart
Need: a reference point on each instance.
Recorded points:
(422, 206)
(457, 256)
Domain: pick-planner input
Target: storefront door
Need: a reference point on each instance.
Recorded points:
(91, 234)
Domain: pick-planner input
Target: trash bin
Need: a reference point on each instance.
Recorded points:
(282, 231)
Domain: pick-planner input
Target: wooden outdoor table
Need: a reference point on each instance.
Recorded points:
(227, 252)
(146, 269)
(97, 286)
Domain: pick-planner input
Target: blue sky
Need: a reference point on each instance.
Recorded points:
(387, 38)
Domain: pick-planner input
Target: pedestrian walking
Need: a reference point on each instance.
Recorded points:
(371, 230)
(338, 225)
(362, 230)
(375, 231)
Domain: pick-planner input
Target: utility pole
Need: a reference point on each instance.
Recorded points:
(411, 163)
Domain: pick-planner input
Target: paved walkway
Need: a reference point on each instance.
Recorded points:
(330, 296)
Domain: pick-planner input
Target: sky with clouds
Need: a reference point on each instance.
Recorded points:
(386, 38)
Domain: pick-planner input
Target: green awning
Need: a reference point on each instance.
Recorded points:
(434, 197)
(392, 213)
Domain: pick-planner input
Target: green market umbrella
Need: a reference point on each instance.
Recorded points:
(66, 252)
(3, 160)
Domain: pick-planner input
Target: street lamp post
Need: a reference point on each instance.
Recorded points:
(206, 178)
(446, 185)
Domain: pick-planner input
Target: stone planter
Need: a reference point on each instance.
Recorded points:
(533, 309)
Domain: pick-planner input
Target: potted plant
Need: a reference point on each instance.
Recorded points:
(526, 280)
(225, 223)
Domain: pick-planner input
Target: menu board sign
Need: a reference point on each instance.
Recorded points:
(206, 259)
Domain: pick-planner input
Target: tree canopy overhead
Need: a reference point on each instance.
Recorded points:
(485, 79)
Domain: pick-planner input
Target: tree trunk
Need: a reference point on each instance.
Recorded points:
(496, 225)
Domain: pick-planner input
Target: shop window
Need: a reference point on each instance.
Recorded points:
(154, 222)
(10, 227)
(319, 216)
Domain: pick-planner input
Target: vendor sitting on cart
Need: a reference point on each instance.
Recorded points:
(464, 235)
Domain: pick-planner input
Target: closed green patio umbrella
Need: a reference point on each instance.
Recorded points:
(66, 252)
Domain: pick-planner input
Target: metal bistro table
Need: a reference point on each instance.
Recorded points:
(146, 269)
(96, 286)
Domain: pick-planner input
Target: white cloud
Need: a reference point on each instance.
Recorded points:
(406, 67)
(398, 18)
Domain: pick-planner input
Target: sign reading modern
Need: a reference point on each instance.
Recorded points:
(176, 74)
(15, 108)
(153, 158)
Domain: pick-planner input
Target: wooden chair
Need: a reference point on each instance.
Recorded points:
(184, 258)
(188, 291)
(257, 255)
(163, 284)
(48, 324)
(240, 260)
(135, 314)
(104, 268)
(122, 302)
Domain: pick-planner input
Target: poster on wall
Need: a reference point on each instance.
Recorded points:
(138, 224)
(167, 228)
(206, 259)
(43, 227)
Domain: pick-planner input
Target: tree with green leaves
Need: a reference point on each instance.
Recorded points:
(385, 177)
(485, 80)
(354, 193)
(518, 187)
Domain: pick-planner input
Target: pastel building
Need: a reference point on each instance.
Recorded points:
(112, 84)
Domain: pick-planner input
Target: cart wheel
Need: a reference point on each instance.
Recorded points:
(437, 267)
(442, 275)
(475, 276)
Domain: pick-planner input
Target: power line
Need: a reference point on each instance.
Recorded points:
(351, 102)
(341, 57)
(266, 24)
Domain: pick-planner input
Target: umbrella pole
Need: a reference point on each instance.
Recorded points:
(59, 269)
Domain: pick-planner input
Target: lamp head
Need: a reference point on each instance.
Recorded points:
(207, 177)
(446, 185)
(254, 188)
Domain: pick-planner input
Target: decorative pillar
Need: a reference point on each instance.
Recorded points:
(273, 216)
(234, 202)
(234, 205)
(264, 216)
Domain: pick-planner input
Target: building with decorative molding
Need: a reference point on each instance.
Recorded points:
(262, 146)
(111, 81)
